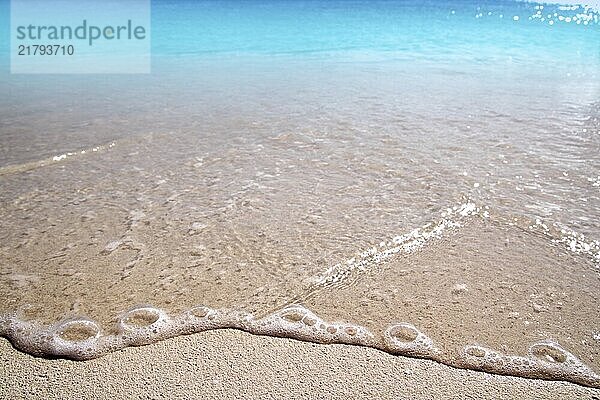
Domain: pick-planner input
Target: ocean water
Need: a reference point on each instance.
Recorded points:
(419, 177)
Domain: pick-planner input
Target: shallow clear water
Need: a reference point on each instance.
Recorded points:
(427, 175)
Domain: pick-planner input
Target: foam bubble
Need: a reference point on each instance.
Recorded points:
(143, 325)
(203, 312)
(406, 339)
(77, 330)
(142, 317)
(76, 336)
(548, 352)
(297, 322)
(547, 360)
(292, 314)
(202, 318)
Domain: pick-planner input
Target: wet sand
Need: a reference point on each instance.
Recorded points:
(230, 364)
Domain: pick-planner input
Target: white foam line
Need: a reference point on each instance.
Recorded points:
(573, 241)
(595, 4)
(546, 360)
(452, 219)
(11, 169)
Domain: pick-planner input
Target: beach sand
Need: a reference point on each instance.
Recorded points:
(230, 364)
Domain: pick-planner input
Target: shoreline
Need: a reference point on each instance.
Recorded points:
(229, 363)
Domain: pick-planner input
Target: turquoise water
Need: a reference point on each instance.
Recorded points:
(393, 30)
(390, 29)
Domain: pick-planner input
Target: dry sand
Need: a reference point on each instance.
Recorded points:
(230, 364)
